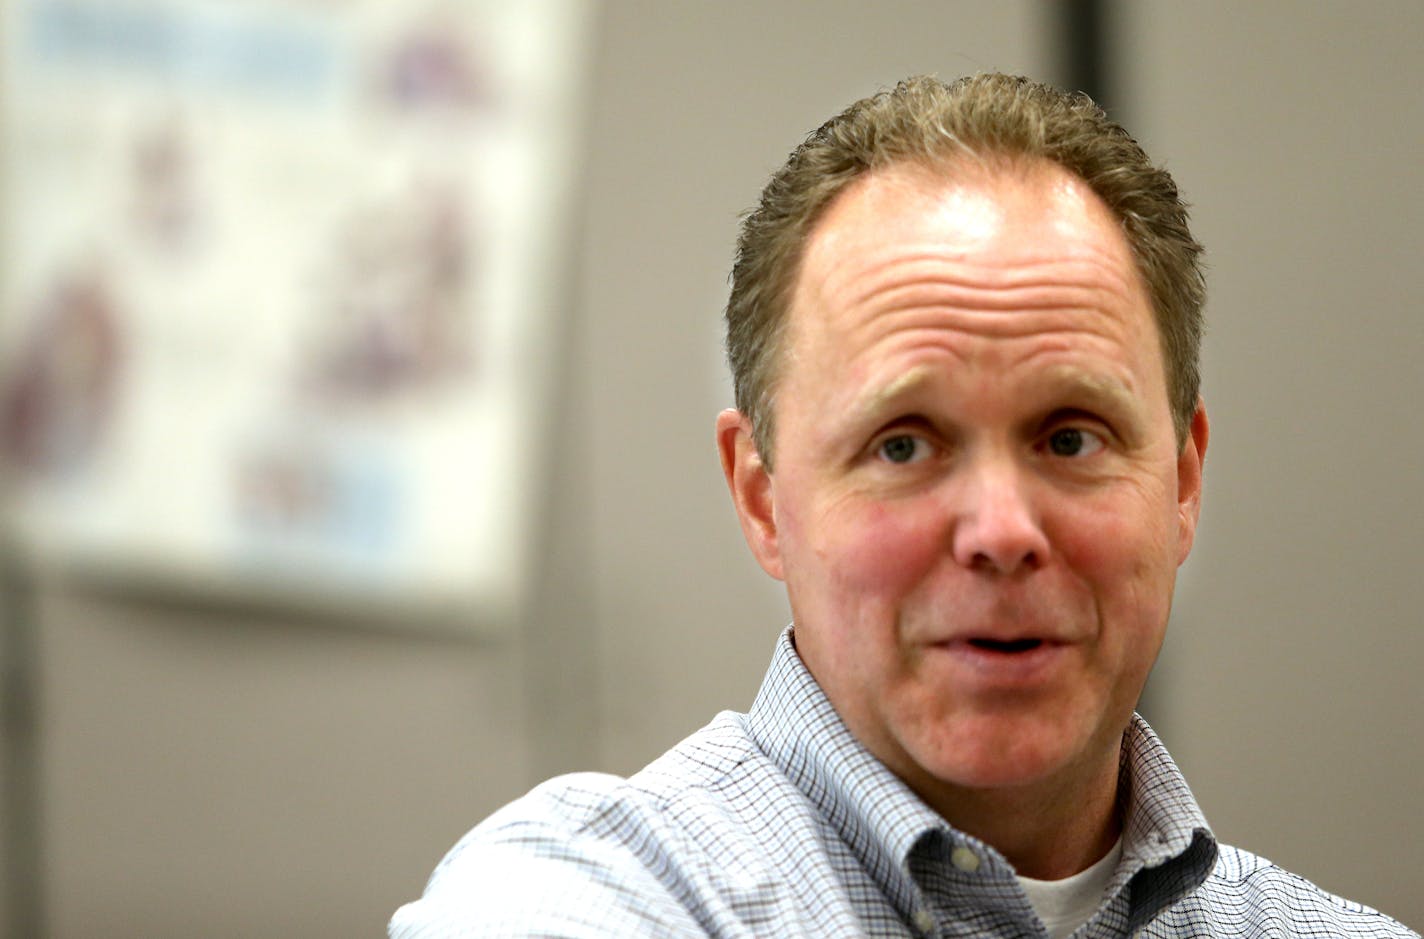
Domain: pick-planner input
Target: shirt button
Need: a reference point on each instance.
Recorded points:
(964, 859)
(924, 921)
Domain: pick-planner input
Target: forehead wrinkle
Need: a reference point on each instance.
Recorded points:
(1090, 260)
(961, 331)
(930, 281)
(992, 313)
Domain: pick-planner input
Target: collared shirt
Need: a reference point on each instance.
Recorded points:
(779, 823)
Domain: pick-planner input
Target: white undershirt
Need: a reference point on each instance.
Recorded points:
(1066, 904)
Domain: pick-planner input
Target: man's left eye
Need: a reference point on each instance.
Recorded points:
(1074, 441)
(903, 448)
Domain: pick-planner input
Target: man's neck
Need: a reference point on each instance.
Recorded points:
(1048, 830)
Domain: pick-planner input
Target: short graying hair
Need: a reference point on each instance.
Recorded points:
(924, 120)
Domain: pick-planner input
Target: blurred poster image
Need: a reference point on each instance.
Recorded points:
(275, 286)
(391, 310)
(56, 403)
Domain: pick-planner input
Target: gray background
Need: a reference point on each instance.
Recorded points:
(221, 773)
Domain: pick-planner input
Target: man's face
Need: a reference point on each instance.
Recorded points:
(978, 505)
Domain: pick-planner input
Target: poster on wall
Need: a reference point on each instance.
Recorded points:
(277, 293)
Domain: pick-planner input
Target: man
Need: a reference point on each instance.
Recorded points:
(963, 330)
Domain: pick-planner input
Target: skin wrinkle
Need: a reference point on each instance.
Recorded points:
(967, 303)
(1030, 284)
(918, 268)
(892, 316)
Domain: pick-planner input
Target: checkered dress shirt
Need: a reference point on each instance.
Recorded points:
(779, 823)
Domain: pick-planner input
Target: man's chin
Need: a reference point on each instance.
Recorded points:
(1001, 754)
(1000, 772)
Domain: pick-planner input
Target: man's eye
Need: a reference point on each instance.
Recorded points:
(1074, 441)
(903, 448)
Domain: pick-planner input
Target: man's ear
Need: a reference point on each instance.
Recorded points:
(1189, 480)
(750, 485)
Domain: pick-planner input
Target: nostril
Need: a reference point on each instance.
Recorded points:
(1007, 561)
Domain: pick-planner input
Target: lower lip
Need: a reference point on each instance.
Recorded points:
(992, 667)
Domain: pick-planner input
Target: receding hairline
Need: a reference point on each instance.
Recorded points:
(987, 169)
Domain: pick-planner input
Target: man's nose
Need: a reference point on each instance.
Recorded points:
(998, 528)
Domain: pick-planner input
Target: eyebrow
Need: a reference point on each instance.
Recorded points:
(1106, 390)
(871, 401)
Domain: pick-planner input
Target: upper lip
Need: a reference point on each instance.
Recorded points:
(1000, 636)
(1014, 618)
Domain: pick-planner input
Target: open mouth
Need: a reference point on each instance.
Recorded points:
(1010, 645)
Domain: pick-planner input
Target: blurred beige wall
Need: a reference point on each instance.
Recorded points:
(224, 774)
(1290, 684)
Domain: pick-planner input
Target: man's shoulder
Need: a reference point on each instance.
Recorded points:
(537, 867)
(698, 774)
(1246, 894)
(606, 855)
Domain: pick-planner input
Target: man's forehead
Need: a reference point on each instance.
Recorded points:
(1002, 221)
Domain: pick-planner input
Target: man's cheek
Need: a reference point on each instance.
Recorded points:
(1111, 542)
(880, 549)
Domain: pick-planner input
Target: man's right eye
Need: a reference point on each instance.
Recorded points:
(903, 448)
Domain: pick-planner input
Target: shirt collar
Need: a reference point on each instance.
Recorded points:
(1165, 836)
(873, 811)
(1168, 848)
